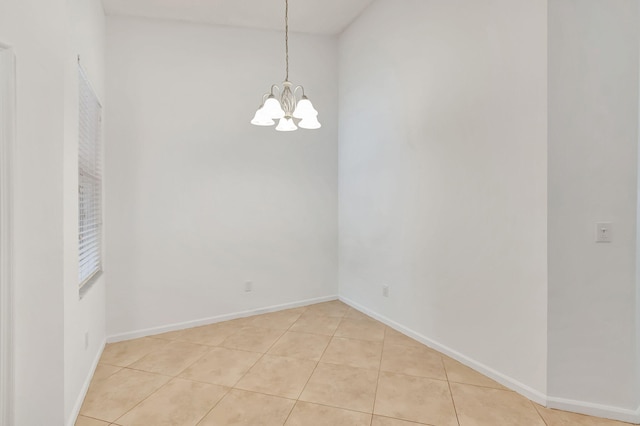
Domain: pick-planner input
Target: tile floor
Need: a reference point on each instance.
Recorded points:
(321, 365)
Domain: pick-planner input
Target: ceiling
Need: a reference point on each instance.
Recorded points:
(307, 16)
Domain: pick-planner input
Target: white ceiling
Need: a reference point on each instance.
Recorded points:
(308, 16)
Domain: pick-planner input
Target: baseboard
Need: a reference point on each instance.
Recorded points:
(541, 398)
(597, 410)
(85, 387)
(504, 380)
(212, 320)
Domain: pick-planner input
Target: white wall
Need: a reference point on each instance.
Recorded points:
(443, 176)
(85, 37)
(35, 30)
(198, 200)
(593, 138)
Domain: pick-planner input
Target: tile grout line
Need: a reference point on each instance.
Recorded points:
(214, 406)
(538, 411)
(241, 377)
(119, 369)
(314, 370)
(211, 348)
(375, 394)
(143, 400)
(92, 418)
(171, 378)
(262, 356)
(305, 310)
(485, 387)
(408, 421)
(453, 401)
(339, 408)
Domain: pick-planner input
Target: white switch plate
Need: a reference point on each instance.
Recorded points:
(385, 290)
(248, 286)
(603, 232)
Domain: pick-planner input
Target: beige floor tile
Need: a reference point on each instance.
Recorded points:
(394, 337)
(478, 406)
(211, 335)
(334, 308)
(416, 399)
(221, 366)
(171, 359)
(307, 414)
(240, 408)
(238, 322)
(300, 345)
(356, 314)
(316, 324)
(277, 375)
(460, 373)
(342, 386)
(341, 390)
(87, 421)
(125, 353)
(178, 403)
(386, 421)
(277, 320)
(413, 361)
(354, 353)
(252, 339)
(110, 398)
(103, 371)
(361, 329)
(563, 418)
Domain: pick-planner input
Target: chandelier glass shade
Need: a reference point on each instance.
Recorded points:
(287, 104)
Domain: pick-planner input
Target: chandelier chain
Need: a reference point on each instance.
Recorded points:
(286, 35)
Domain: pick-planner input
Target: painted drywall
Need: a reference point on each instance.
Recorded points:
(7, 141)
(198, 200)
(593, 138)
(35, 31)
(442, 176)
(86, 32)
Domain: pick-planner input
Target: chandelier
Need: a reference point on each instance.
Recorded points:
(286, 103)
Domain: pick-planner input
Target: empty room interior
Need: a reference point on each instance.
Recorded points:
(308, 213)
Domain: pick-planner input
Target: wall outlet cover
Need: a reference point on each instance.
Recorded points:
(604, 232)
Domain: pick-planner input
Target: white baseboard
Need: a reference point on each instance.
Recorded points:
(597, 410)
(609, 412)
(212, 320)
(85, 387)
(504, 380)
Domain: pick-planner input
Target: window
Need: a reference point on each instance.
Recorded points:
(89, 181)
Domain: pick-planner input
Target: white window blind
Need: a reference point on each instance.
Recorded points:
(89, 181)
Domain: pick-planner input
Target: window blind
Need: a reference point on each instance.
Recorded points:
(89, 181)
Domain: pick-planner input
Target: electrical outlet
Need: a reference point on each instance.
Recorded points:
(603, 233)
(385, 290)
(248, 287)
(86, 340)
